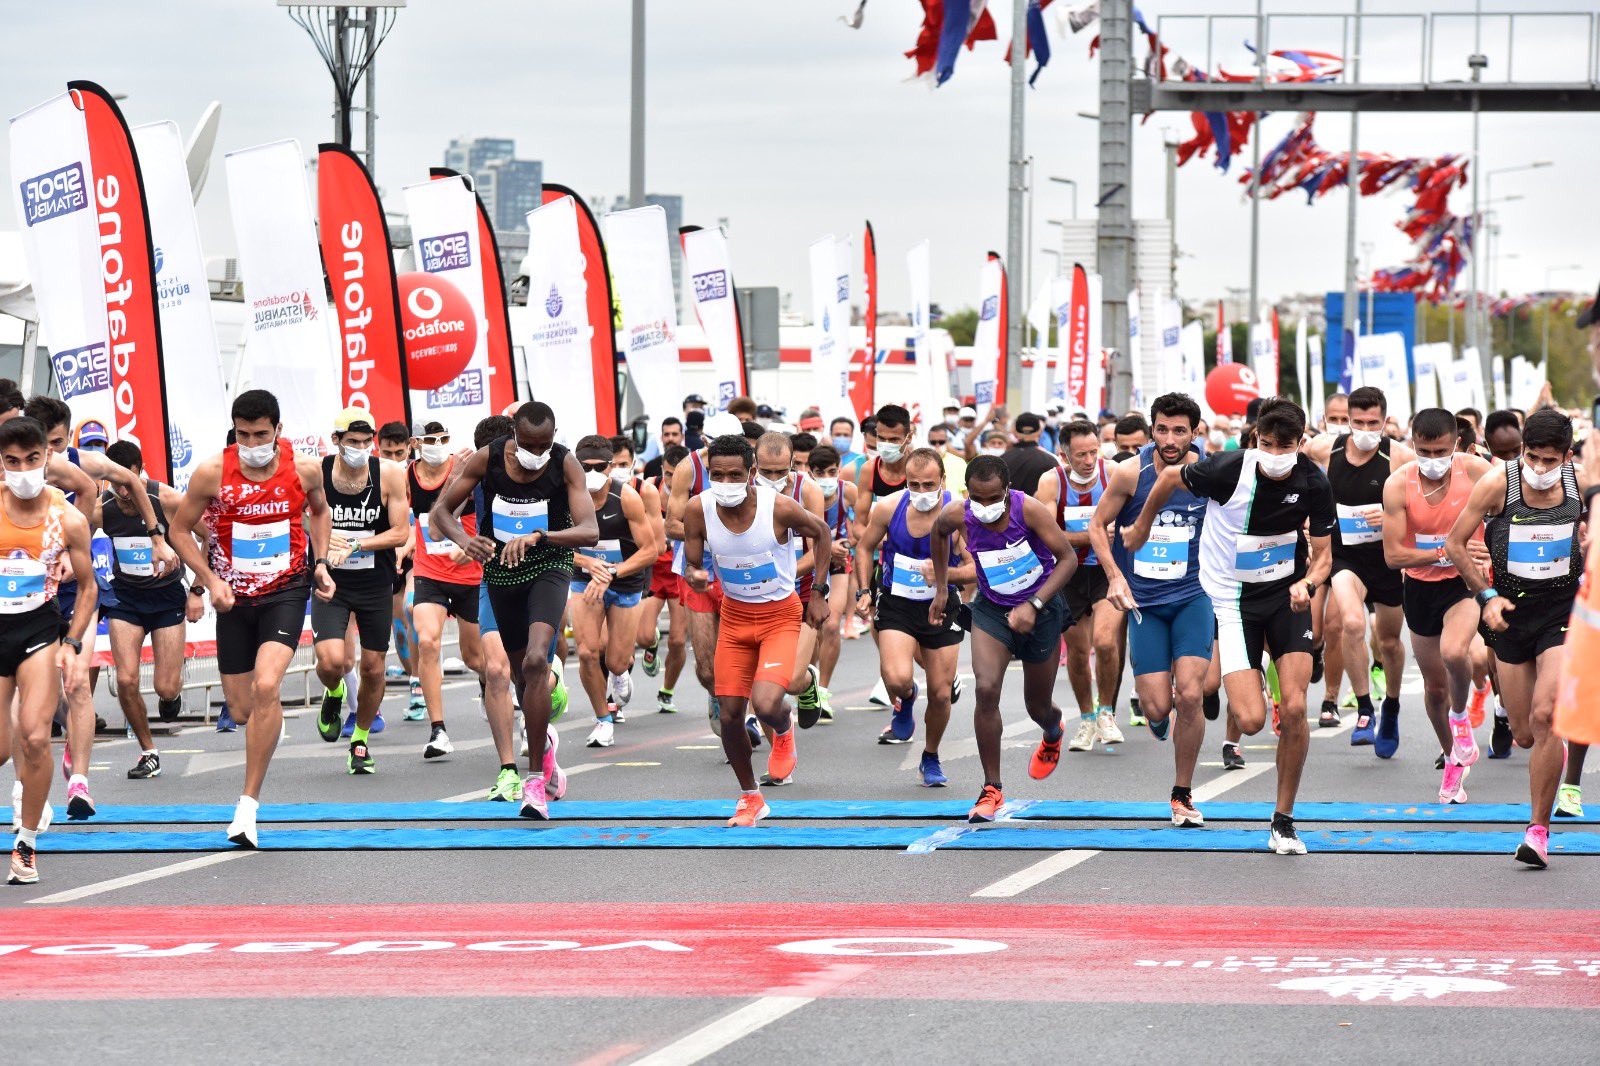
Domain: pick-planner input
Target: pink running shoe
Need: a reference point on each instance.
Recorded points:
(1464, 748)
(555, 778)
(534, 803)
(1450, 787)
(79, 803)
(1535, 847)
(66, 763)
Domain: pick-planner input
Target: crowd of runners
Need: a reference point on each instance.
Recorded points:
(1241, 568)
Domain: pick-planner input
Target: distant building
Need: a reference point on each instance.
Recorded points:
(673, 206)
(509, 188)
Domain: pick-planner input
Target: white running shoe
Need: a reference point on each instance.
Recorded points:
(1084, 738)
(603, 735)
(1106, 728)
(621, 689)
(439, 744)
(880, 696)
(1283, 840)
(242, 830)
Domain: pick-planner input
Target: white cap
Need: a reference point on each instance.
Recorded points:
(950, 402)
(1055, 407)
(967, 412)
(722, 424)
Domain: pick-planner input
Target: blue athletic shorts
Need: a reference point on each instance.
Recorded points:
(613, 598)
(1170, 632)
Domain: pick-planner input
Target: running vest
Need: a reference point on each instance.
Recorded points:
(1075, 506)
(1012, 563)
(514, 509)
(700, 483)
(616, 543)
(28, 554)
(258, 534)
(1358, 488)
(1532, 548)
(882, 487)
(753, 566)
(99, 546)
(902, 551)
(1167, 568)
(834, 513)
(363, 515)
(433, 556)
(1428, 523)
(132, 553)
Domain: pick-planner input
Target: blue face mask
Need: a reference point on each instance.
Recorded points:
(841, 444)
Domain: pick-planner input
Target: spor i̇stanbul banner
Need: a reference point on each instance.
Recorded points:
(710, 273)
(989, 339)
(602, 334)
(638, 249)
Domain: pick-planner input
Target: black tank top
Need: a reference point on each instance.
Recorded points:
(360, 514)
(1534, 550)
(516, 508)
(132, 556)
(1358, 488)
(616, 543)
(882, 487)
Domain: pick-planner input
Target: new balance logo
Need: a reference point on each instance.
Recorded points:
(1293, 497)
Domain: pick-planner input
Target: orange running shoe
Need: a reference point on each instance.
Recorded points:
(751, 809)
(1276, 729)
(990, 800)
(781, 757)
(1045, 758)
(1480, 696)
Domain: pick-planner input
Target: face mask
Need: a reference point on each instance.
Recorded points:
(841, 444)
(889, 453)
(776, 485)
(595, 480)
(258, 456)
(1218, 440)
(435, 454)
(1434, 469)
(729, 493)
(25, 484)
(1367, 439)
(1274, 465)
(354, 456)
(1076, 480)
(996, 450)
(828, 485)
(1530, 477)
(926, 501)
(987, 513)
(620, 474)
(529, 461)
(1051, 421)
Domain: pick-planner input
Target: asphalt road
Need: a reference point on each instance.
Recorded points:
(634, 954)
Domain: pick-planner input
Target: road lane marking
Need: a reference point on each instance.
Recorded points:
(1229, 780)
(73, 894)
(1036, 874)
(729, 1028)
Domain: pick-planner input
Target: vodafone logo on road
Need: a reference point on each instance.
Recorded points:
(851, 946)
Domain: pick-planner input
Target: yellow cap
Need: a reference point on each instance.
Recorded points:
(355, 418)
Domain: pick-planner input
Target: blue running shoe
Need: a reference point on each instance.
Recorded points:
(377, 725)
(904, 722)
(1365, 732)
(1388, 739)
(349, 727)
(752, 729)
(1159, 729)
(932, 772)
(225, 722)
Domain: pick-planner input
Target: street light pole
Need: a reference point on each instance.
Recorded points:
(1015, 187)
(636, 112)
(1352, 183)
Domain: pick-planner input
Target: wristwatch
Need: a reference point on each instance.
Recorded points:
(75, 645)
(321, 562)
(1036, 603)
(1486, 595)
(197, 589)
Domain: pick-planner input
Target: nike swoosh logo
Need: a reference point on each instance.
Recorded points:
(769, 666)
(282, 633)
(1521, 518)
(36, 647)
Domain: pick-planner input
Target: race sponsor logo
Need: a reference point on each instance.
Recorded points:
(182, 451)
(841, 289)
(465, 391)
(725, 394)
(983, 391)
(647, 335)
(712, 285)
(82, 370)
(552, 302)
(991, 307)
(448, 252)
(170, 289)
(282, 309)
(58, 192)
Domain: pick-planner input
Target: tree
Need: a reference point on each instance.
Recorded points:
(962, 325)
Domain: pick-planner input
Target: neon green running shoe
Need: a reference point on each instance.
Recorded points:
(1380, 684)
(558, 695)
(360, 761)
(507, 788)
(1569, 801)
(1349, 702)
(1272, 682)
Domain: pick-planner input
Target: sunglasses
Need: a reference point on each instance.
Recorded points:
(440, 438)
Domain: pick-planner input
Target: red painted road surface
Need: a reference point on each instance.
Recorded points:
(1488, 958)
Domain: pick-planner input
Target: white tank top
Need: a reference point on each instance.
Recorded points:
(753, 566)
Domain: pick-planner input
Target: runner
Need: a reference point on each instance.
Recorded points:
(749, 531)
(257, 570)
(1172, 622)
(883, 474)
(147, 603)
(898, 605)
(838, 504)
(665, 591)
(1071, 493)
(536, 512)
(394, 444)
(1023, 562)
(624, 472)
(1254, 565)
(1533, 508)
(607, 585)
(367, 498)
(1357, 464)
(775, 469)
(37, 526)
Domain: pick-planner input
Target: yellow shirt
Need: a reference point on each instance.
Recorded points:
(955, 474)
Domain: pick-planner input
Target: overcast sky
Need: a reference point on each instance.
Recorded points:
(790, 125)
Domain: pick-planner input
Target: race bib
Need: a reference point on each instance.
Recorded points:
(22, 584)
(261, 549)
(513, 519)
(443, 546)
(751, 577)
(607, 551)
(1165, 556)
(358, 560)
(1540, 552)
(1353, 527)
(1012, 569)
(1266, 558)
(1076, 519)
(1432, 542)
(907, 580)
(135, 556)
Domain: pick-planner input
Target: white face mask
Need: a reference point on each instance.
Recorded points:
(1434, 469)
(988, 513)
(530, 460)
(1273, 464)
(729, 493)
(595, 480)
(620, 474)
(889, 453)
(998, 449)
(434, 454)
(259, 456)
(1218, 440)
(776, 485)
(354, 456)
(1530, 477)
(828, 485)
(926, 501)
(1367, 440)
(1087, 479)
(25, 484)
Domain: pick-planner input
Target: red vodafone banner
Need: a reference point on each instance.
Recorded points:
(597, 289)
(1001, 382)
(1230, 388)
(355, 252)
(502, 378)
(1078, 342)
(864, 360)
(440, 330)
(127, 267)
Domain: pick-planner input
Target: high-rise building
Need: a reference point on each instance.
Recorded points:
(509, 188)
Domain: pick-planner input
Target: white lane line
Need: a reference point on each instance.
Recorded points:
(713, 1037)
(1231, 779)
(477, 794)
(73, 894)
(1037, 874)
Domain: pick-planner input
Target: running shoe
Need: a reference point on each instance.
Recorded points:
(1160, 729)
(616, 713)
(807, 703)
(328, 716)
(1185, 815)
(168, 710)
(438, 743)
(377, 725)
(1065, 655)
(1274, 690)
(1316, 664)
(880, 697)
(1464, 745)
(824, 706)
(79, 803)
(904, 722)
(603, 735)
(1535, 847)
(888, 736)
(1438, 762)
(46, 815)
(957, 687)
(932, 773)
(781, 759)
(1134, 718)
(242, 830)
(1046, 756)
(750, 810)
(1329, 718)
(1105, 725)
(360, 760)
(534, 802)
(1569, 801)
(1388, 739)
(752, 729)
(767, 779)
(1500, 738)
(652, 661)
(1365, 732)
(714, 712)
(621, 689)
(1232, 757)
(558, 694)
(507, 787)
(990, 800)
(1450, 785)
(417, 708)
(148, 766)
(1084, 738)
(555, 778)
(394, 672)
(1476, 704)
(1348, 703)
(225, 722)
(1283, 840)
(24, 868)
(349, 729)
